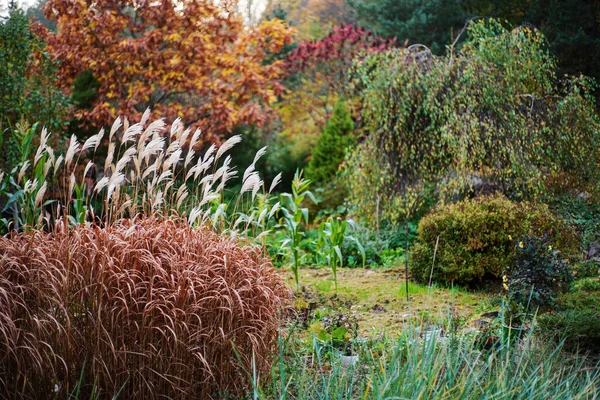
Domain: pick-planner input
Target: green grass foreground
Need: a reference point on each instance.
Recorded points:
(417, 366)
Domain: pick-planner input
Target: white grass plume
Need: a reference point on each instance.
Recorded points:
(275, 182)
(229, 143)
(42, 147)
(114, 128)
(22, 171)
(73, 148)
(39, 197)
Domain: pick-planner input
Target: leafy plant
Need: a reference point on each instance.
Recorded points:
(29, 87)
(292, 216)
(476, 238)
(538, 274)
(337, 333)
(332, 235)
(578, 329)
(331, 147)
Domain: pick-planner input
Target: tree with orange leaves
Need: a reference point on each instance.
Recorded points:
(192, 59)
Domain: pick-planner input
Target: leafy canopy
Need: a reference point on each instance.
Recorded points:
(28, 87)
(193, 60)
(494, 110)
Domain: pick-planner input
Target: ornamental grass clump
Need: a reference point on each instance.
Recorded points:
(149, 308)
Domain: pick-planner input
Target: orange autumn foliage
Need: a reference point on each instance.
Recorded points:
(192, 59)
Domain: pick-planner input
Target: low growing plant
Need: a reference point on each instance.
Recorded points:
(332, 235)
(538, 274)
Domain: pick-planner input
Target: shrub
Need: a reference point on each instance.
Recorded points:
(331, 147)
(538, 274)
(152, 306)
(476, 238)
(580, 329)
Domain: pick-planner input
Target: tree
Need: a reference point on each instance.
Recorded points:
(492, 111)
(28, 86)
(572, 27)
(316, 77)
(193, 60)
(331, 147)
(433, 23)
(35, 13)
(313, 19)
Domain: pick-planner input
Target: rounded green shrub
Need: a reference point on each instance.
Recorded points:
(476, 238)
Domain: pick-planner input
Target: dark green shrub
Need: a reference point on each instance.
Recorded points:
(331, 147)
(538, 274)
(476, 238)
(580, 329)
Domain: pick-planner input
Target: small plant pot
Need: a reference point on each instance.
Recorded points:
(348, 361)
(513, 334)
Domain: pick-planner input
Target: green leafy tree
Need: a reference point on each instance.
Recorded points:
(433, 23)
(28, 88)
(572, 27)
(492, 111)
(331, 147)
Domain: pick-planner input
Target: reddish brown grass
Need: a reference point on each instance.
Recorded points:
(154, 307)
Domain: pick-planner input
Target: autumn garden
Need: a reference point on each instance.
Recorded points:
(285, 199)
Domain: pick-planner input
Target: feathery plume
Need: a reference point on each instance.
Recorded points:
(114, 128)
(249, 182)
(153, 147)
(155, 128)
(40, 195)
(109, 155)
(73, 148)
(248, 171)
(195, 138)
(175, 126)
(57, 164)
(145, 116)
(259, 154)
(229, 143)
(87, 168)
(42, 147)
(23, 170)
(125, 159)
(131, 133)
(256, 188)
(71, 184)
(189, 156)
(101, 184)
(275, 182)
(208, 153)
(93, 141)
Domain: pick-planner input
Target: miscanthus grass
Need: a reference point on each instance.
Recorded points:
(148, 170)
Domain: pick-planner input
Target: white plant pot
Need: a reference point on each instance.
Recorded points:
(348, 361)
